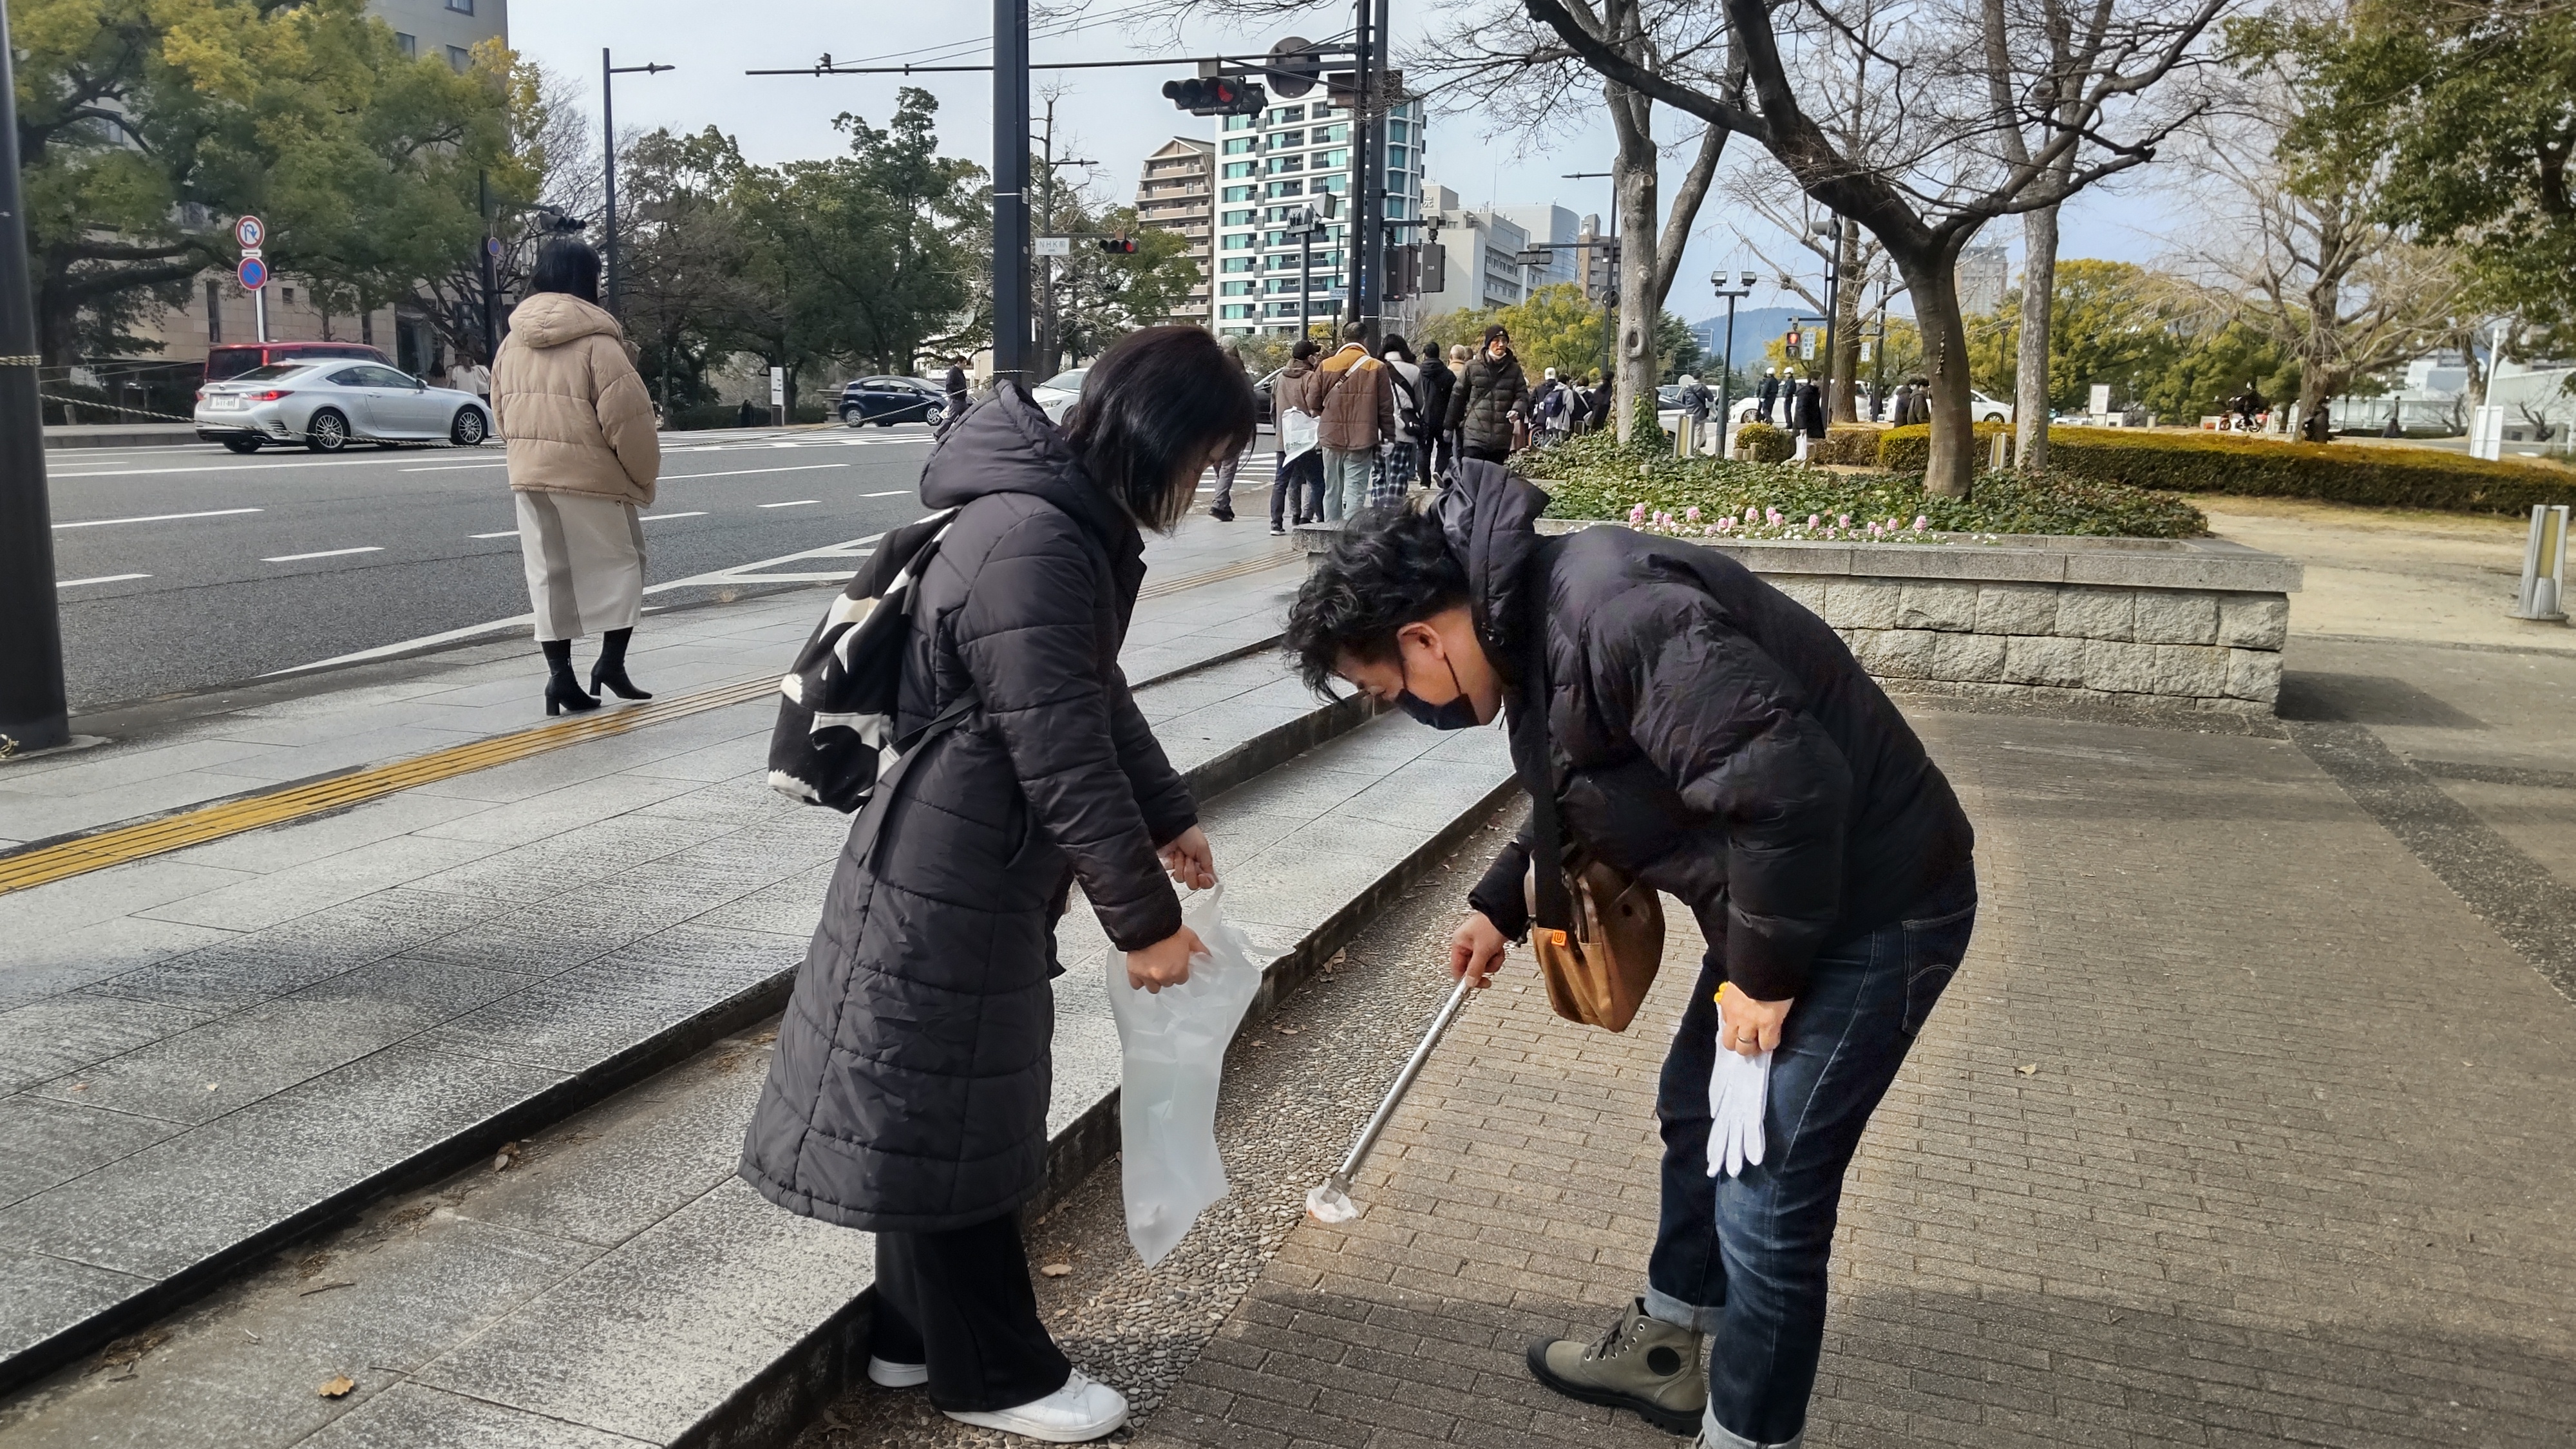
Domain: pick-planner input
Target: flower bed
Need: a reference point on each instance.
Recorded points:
(1594, 477)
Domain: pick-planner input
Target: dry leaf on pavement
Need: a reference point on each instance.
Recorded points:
(337, 1388)
(2031, 1070)
(1056, 1270)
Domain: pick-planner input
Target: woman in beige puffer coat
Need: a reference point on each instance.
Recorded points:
(584, 456)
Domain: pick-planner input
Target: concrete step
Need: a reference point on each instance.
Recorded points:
(559, 928)
(618, 1286)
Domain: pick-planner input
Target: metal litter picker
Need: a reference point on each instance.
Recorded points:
(1331, 1202)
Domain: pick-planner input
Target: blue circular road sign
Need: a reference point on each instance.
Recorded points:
(253, 273)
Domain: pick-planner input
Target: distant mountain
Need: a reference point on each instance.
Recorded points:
(1753, 329)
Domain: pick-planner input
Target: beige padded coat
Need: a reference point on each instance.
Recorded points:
(571, 405)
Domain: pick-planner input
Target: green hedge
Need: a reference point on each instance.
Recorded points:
(1763, 443)
(2397, 477)
(1594, 477)
(1848, 445)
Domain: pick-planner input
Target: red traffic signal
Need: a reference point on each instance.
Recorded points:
(1118, 245)
(1216, 96)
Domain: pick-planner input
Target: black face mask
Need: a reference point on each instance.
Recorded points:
(1457, 714)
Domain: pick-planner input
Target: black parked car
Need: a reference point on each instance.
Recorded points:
(886, 401)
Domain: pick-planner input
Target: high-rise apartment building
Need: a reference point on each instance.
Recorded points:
(1549, 226)
(1178, 194)
(1289, 155)
(1983, 274)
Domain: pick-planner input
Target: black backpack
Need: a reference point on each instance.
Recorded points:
(833, 744)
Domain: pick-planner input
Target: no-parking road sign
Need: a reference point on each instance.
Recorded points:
(253, 273)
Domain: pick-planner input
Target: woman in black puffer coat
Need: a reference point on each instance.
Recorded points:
(1489, 396)
(909, 1091)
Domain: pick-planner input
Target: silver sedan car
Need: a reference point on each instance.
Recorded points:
(328, 404)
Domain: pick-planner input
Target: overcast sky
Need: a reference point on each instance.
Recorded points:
(1114, 117)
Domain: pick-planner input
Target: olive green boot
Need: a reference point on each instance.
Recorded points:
(1642, 1364)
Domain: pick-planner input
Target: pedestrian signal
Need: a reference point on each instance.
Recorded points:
(1216, 96)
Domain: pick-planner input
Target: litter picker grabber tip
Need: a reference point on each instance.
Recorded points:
(1331, 1202)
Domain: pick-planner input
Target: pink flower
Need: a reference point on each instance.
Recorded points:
(1750, 516)
(1691, 513)
(1714, 529)
(1726, 525)
(1814, 522)
(1921, 523)
(1875, 530)
(1843, 521)
(1637, 514)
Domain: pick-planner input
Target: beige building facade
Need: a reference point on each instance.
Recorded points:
(1177, 193)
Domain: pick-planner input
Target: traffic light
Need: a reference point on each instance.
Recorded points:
(1120, 246)
(1221, 95)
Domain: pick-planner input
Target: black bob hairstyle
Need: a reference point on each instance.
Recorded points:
(1391, 567)
(566, 264)
(1155, 407)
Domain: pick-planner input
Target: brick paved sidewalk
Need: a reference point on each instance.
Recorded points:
(2157, 1172)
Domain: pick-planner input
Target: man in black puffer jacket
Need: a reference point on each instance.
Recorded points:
(1491, 395)
(1701, 732)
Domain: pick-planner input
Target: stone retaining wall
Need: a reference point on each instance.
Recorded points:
(2194, 625)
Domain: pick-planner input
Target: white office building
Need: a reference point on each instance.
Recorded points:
(1552, 226)
(1482, 245)
(1292, 154)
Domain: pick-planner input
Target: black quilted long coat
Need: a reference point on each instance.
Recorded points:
(909, 1090)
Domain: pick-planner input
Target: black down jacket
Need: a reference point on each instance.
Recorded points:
(1706, 735)
(1487, 394)
(909, 1090)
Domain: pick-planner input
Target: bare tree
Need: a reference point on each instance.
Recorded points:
(1942, 167)
(1858, 261)
(2294, 252)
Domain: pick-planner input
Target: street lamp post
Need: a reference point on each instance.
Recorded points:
(608, 136)
(1726, 366)
(1832, 230)
(32, 715)
(1010, 191)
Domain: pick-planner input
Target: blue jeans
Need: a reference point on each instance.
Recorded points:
(1346, 482)
(1742, 1259)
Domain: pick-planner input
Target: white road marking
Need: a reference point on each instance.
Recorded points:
(101, 579)
(156, 518)
(326, 553)
(504, 533)
(450, 467)
(659, 517)
(898, 493)
(237, 468)
(799, 503)
(855, 548)
(741, 472)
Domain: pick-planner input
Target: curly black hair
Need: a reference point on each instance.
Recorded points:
(1391, 567)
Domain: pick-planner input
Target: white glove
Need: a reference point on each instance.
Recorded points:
(1739, 1090)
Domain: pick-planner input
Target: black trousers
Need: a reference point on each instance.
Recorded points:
(1487, 455)
(961, 1302)
(1298, 496)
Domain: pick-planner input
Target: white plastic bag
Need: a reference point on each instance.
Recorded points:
(1172, 1045)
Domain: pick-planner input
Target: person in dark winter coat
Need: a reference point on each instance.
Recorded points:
(1438, 382)
(1491, 394)
(1698, 730)
(908, 1095)
(953, 394)
(1811, 410)
(1768, 397)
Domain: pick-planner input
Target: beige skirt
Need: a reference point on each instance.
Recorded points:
(585, 562)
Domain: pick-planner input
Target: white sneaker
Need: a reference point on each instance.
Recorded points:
(1083, 1410)
(887, 1375)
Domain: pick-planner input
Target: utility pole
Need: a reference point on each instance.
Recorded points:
(1366, 234)
(1010, 191)
(608, 135)
(491, 272)
(32, 713)
(1049, 352)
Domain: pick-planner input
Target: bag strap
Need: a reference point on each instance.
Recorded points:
(864, 830)
(1554, 904)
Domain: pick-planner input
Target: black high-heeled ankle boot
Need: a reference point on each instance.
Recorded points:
(611, 668)
(563, 688)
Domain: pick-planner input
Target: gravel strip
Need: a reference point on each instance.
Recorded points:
(1298, 1086)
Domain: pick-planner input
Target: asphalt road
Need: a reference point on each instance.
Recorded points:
(179, 568)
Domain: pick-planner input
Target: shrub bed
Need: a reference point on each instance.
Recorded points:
(1594, 477)
(1847, 445)
(2217, 463)
(1763, 443)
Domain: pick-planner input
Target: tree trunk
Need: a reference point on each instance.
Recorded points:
(1843, 367)
(1935, 290)
(1633, 351)
(2038, 315)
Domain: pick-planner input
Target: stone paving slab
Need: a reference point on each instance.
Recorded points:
(659, 1296)
(2236, 1128)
